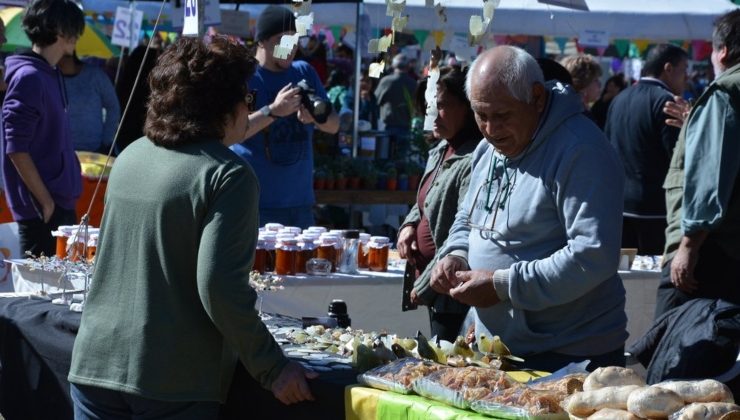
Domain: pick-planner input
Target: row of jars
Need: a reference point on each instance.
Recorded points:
(76, 243)
(288, 250)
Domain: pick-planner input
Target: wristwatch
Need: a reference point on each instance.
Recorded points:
(265, 110)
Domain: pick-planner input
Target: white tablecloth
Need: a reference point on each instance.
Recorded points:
(373, 300)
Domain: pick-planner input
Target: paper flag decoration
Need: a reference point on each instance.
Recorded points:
(439, 37)
(285, 48)
(375, 46)
(477, 28)
(395, 7)
(376, 69)
(399, 22)
(488, 9)
(441, 13)
(303, 24)
(302, 7)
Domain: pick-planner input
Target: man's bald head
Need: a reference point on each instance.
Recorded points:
(507, 66)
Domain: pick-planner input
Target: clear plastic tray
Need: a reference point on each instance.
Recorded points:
(459, 386)
(398, 376)
(520, 403)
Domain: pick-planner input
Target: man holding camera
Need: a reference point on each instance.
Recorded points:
(289, 103)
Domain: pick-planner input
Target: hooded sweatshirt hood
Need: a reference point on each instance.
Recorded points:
(34, 121)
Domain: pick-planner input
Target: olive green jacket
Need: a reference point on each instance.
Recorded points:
(170, 309)
(448, 188)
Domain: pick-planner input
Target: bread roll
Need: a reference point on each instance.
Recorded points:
(611, 376)
(654, 403)
(706, 411)
(612, 414)
(707, 390)
(585, 403)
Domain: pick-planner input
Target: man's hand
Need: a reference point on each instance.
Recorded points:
(287, 101)
(443, 273)
(682, 269)
(476, 289)
(304, 116)
(47, 210)
(291, 386)
(678, 109)
(407, 243)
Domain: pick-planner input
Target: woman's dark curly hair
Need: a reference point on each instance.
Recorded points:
(44, 20)
(195, 87)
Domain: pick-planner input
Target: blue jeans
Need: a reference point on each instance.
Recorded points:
(93, 403)
(288, 216)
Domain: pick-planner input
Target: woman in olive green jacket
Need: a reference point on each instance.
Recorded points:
(443, 185)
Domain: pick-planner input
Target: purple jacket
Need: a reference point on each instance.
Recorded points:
(34, 120)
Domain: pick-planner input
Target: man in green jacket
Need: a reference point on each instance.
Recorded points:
(702, 254)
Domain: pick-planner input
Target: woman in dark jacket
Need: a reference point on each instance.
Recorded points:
(443, 184)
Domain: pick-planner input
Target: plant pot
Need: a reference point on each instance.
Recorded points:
(341, 184)
(330, 184)
(391, 184)
(414, 182)
(354, 183)
(370, 183)
(319, 184)
(403, 184)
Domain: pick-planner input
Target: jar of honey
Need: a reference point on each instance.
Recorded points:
(273, 227)
(260, 257)
(286, 254)
(307, 250)
(377, 259)
(318, 230)
(363, 250)
(92, 247)
(327, 249)
(270, 243)
(76, 247)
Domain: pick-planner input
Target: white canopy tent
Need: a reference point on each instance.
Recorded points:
(632, 19)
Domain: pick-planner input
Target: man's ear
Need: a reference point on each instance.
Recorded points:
(668, 68)
(722, 56)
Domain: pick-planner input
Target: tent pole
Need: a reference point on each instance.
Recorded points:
(118, 67)
(358, 78)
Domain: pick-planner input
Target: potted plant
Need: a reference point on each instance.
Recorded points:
(319, 179)
(403, 182)
(330, 180)
(370, 179)
(340, 181)
(414, 171)
(391, 183)
(354, 172)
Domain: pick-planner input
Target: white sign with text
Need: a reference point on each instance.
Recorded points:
(127, 27)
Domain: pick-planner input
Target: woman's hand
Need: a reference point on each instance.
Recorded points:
(407, 243)
(290, 386)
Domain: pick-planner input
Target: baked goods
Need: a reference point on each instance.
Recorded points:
(707, 390)
(611, 376)
(654, 402)
(612, 414)
(585, 403)
(398, 376)
(705, 411)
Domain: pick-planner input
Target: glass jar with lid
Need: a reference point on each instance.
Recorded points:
(260, 256)
(270, 239)
(327, 249)
(362, 250)
(348, 257)
(377, 259)
(306, 251)
(286, 254)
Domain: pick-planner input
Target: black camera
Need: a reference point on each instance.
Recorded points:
(316, 106)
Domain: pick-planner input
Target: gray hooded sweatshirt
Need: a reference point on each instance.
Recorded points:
(554, 245)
